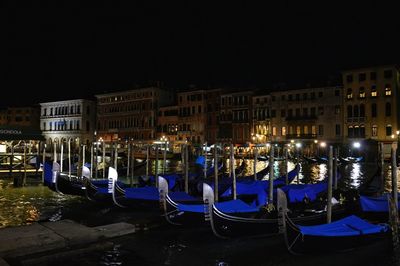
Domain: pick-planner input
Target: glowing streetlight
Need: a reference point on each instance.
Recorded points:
(356, 145)
(322, 144)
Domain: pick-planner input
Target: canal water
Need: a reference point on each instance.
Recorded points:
(158, 243)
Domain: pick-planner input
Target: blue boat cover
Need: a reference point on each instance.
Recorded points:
(48, 173)
(199, 208)
(297, 192)
(375, 204)
(236, 206)
(348, 226)
(254, 188)
(142, 193)
(200, 160)
(180, 196)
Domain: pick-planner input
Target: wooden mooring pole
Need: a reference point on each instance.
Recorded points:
(394, 215)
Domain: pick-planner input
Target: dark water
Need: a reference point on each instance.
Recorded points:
(158, 243)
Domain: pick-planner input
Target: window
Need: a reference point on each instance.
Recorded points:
(305, 96)
(337, 92)
(313, 111)
(283, 97)
(388, 109)
(337, 130)
(320, 110)
(290, 97)
(362, 77)
(387, 74)
(349, 94)
(305, 112)
(362, 131)
(350, 131)
(374, 93)
(362, 110)
(305, 130)
(374, 131)
(283, 113)
(273, 98)
(337, 109)
(320, 94)
(273, 113)
(297, 112)
(361, 94)
(321, 130)
(297, 97)
(349, 78)
(290, 112)
(283, 131)
(258, 100)
(273, 131)
(373, 110)
(372, 75)
(389, 130)
(298, 131)
(312, 95)
(313, 130)
(355, 111)
(388, 90)
(44, 125)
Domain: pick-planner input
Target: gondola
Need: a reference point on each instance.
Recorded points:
(148, 195)
(375, 208)
(180, 208)
(237, 218)
(344, 234)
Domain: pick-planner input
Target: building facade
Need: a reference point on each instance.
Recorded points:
(261, 124)
(68, 120)
(131, 114)
(309, 114)
(371, 97)
(167, 124)
(192, 116)
(235, 117)
(21, 117)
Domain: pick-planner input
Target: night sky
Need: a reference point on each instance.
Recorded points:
(76, 51)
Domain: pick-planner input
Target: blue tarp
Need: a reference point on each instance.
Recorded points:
(349, 226)
(236, 206)
(375, 204)
(180, 196)
(48, 173)
(199, 208)
(200, 160)
(145, 193)
(296, 193)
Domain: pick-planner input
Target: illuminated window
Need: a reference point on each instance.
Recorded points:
(305, 130)
(313, 130)
(298, 131)
(388, 90)
(283, 131)
(349, 93)
(374, 132)
(374, 93)
(362, 93)
(273, 131)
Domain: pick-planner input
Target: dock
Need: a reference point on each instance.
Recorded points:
(46, 242)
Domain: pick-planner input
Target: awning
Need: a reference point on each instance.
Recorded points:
(20, 133)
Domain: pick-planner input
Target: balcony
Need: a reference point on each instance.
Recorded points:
(301, 136)
(355, 119)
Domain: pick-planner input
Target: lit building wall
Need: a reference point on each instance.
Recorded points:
(70, 119)
(370, 97)
(307, 114)
(131, 114)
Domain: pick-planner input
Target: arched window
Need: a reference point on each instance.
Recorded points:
(373, 110)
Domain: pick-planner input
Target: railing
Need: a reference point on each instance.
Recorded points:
(301, 136)
(355, 119)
